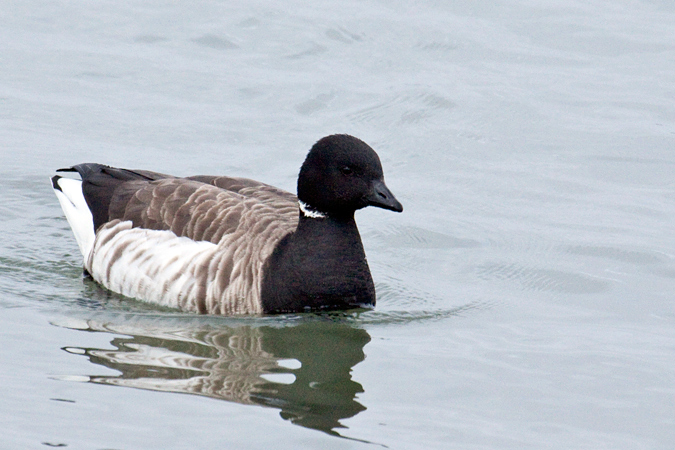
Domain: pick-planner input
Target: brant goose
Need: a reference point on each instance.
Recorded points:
(226, 245)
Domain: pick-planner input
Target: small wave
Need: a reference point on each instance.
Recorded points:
(542, 279)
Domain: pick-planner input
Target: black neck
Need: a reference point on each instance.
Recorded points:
(321, 265)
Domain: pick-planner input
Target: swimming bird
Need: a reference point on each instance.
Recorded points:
(226, 245)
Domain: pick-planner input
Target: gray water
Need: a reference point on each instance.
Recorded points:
(525, 295)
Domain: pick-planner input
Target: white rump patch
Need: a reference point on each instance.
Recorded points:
(77, 213)
(307, 211)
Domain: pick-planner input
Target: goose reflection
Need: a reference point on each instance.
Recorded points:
(303, 370)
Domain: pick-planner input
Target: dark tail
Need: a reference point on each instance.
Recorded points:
(100, 183)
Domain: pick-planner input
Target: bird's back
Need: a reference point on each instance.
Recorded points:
(195, 243)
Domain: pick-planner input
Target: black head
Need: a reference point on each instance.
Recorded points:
(342, 174)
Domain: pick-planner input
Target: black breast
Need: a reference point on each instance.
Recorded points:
(322, 265)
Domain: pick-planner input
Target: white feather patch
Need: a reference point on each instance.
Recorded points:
(150, 265)
(307, 211)
(77, 213)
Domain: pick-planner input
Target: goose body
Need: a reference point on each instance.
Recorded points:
(226, 245)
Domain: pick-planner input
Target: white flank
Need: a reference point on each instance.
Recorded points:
(151, 265)
(77, 213)
(307, 211)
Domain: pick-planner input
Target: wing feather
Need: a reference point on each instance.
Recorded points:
(245, 220)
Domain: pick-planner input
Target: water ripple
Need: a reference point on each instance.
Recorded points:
(541, 279)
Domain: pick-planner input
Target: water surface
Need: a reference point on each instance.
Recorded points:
(525, 296)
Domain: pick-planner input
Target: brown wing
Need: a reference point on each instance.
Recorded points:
(203, 208)
(247, 187)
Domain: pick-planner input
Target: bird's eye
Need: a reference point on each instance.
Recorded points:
(346, 170)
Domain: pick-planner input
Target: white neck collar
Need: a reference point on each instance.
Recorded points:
(307, 211)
